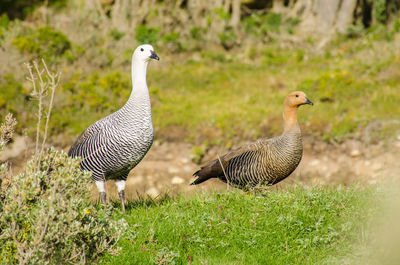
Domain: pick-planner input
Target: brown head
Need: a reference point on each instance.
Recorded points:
(296, 99)
(290, 106)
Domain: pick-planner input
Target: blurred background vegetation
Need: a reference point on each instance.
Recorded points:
(225, 65)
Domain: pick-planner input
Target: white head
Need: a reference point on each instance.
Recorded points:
(144, 52)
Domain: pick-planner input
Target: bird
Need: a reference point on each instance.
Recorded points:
(112, 146)
(265, 161)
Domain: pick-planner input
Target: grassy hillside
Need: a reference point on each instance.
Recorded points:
(201, 91)
(296, 226)
(231, 98)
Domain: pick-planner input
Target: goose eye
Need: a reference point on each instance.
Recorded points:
(297, 96)
(141, 49)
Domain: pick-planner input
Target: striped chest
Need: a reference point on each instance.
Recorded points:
(130, 144)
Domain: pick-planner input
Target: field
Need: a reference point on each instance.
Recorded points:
(295, 226)
(212, 98)
(217, 86)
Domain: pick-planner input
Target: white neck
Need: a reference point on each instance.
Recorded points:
(136, 113)
(139, 69)
(139, 99)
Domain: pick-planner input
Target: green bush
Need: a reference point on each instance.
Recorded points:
(6, 134)
(273, 20)
(171, 40)
(146, 34)
(14, 98)
(221, 13)
(260, 25)
(196, 39)
(46, 213)
(396, 26)
(380, 32)
(196, 33)
(355, 31)
(10, 90)
(47, 217)
(379, 11)
(89, 98)
(116, 34)
(83, 100)
(228, 38)
(291, 23)
(44, 42)
(22, 8)
(4, 23)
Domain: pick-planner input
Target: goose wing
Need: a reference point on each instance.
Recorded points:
(89, 142)
(217, 168)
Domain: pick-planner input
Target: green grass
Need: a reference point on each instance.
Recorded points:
(221, 97)
(297, 226)
(233, 99)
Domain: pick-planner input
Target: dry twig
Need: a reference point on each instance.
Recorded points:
(42, 81)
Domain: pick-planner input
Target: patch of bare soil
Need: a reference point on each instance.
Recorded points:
(168, 167)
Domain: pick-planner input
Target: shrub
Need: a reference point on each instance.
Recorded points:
(355, 31)
(172, 41)
(47, 217)
(44, 42)
(273, 20)
(145, 34)
(13, 99)
(379, 11)
(196, 33)
(4, 23)
(228, 38)
(116, 34)
(22, 8)
(260, 25)
(7, 131)
(88, 98)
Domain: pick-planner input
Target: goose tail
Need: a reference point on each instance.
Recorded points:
(201, 177)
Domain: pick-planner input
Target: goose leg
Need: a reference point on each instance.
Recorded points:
(121, 192)
(103, 197)
(122, 197)
(102, 191)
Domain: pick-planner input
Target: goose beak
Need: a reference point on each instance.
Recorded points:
(309, 102)
(154, 56)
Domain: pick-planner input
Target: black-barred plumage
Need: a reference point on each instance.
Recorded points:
(266, 161)
(114, 145)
